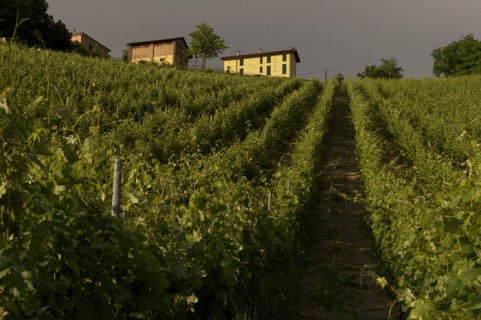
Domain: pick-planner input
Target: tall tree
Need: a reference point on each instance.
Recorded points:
(460, 57)
(205, 44)
(38, 27)
(387, 70)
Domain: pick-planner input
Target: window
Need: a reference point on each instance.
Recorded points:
(284, 57)
(242, 62)
(260, 70)
(91, 47)
(241, 70)
(268, 70)
(268, 59)
(284, 68)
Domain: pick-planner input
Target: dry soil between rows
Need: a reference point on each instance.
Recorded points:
(340, 268)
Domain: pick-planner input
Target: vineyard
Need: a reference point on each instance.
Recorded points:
(220, 173)
(419, 154)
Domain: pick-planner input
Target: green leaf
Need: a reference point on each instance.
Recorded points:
(452, 224)
(3, 188)
(63, 113)
(40, 149)
(466, 244)
(382, 282)
(423, 310)
(4, 272)
(69, 154)
(467, 276)
(3, 102)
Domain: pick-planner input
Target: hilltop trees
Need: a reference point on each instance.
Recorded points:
(205, 44)
(461, 57)
(37, 27)
(387, 70)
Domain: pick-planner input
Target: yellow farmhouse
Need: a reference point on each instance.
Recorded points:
(164, 51)
(272, 64)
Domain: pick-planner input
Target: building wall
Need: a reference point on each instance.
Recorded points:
(292, 65)
(261, 65)
(165, 52)
(158, 53)
(90, 44)
(181, 57)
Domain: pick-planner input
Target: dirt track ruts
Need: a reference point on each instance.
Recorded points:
(338, 280)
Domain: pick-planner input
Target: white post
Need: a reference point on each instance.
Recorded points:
(116, 188)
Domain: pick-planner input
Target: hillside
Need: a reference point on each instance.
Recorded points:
(203, 153)
(226, 179)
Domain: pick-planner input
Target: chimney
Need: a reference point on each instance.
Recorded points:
(238, 53)
(260, 50)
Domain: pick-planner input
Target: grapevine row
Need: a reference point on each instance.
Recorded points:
(196, 238)
(421, 205)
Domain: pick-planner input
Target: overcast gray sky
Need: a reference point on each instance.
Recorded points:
(338, 35)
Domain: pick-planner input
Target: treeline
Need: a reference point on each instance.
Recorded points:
(28, 22)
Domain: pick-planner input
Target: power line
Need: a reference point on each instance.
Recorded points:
(322, 70)
(325, 72)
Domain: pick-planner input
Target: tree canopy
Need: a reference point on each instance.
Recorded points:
(205, 44)
(460, 57)
(38, 28)
(387, 70)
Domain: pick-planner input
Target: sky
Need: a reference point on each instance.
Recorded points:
(337, 36)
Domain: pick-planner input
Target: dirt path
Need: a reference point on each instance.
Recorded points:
(340, 270)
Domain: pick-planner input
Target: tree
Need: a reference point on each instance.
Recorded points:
(205, 44)
(125, 55)
(37, 29)
(461, 57)
(387, 70)
(339, 77)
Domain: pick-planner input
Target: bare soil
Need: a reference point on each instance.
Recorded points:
(340, 266)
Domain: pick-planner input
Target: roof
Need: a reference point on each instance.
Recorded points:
(263, 54)
(139, 43)
(86, 35)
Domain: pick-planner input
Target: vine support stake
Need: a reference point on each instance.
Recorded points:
(116, 190)
(269, 201)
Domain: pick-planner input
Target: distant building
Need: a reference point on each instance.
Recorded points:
(272, 64)
(163, 51)
(89, 43)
